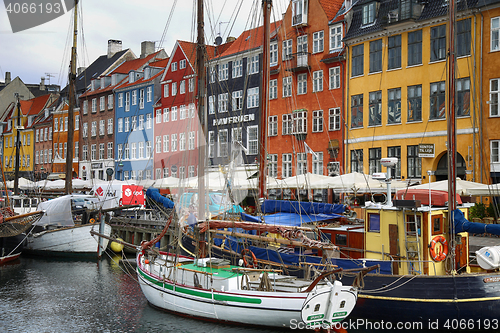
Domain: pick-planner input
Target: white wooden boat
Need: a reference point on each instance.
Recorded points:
(212, 290)
(56, 234)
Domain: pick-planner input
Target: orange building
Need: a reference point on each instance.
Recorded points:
(60, 141)
(306, 95)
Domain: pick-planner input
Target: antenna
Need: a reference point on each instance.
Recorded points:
(49, 75)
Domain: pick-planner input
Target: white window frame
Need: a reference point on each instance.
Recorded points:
(336, 36)
(222, 102)
(287, 49)
(166, 143)
(253, 97)
(237, 68)
(253, 64)
(302, 84)
(272, 126)
(318, 81)
(253, 140)
(273, 89)
(495, 34)
(287, 86)
(318, 121)
(334, 77)
(222, 150)
(318, 41)
(494, 98)
(334, 119)
(273, 56)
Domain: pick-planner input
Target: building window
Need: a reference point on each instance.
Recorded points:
(127, 101)
(299, 12)
(357, 60)
(182, 112)
(174, 88)
(94, 105)
(287, 124)
(302, 55)
(357, 160)
(374, 222)
(158, 144)
(287, 86)
(317, 165)
(438, 106)
(223, 72)
(438, 43)
(141, 149)
(253, 140)
(93, 129)
(120, 151)
(301, 84)
(317, 121)
(375, 108)
(495, 34)
(85, 130)
(301, 163)
(133, 149)
(148, 149)
(273, 59)
(336, 37)
(110, 150)
(101, 127)
(376, 56)
(287, 49)
(134, 97)
(165, 172)
(158, 116)
(56, 124)
(86, 105)
(222, 102)
(415, 48)
(394, 106)
(182, 141)
(395, 152)
(223, 148)
(253, 98)
(182, 64)
(141, 99)
(192, 109)
(369, 13)
(334, 119)
(273, 126)
(211, 104)
(102, 103)
(272, 165)
(415, 103)
(334, 74)
(211, 144)
(191, 84)
(101, 151)
(495, 151)
(318, 81)
(237, 68)
(414, 162)
(166, 143)
(273, 89)
(463, 97)
(318, 38)
(394, 52)
(357, 111)
(299, 122)
(253, 64)
(174, 113)
(166, 115)
(127, 124)
(463, 38)
(110, 126)
(286, 170)
(174, 66)
(166, 90)
(374, 156)
(191, 140)
(494, 97)
(126, 152)
(237, 134)
(149, 94)
(212, 74)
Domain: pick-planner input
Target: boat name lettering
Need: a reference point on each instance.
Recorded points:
(340, 314)
(491, 279)
(315, 317)
(234, 120)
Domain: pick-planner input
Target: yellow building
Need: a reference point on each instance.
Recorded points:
(397, 89)
(28, 111)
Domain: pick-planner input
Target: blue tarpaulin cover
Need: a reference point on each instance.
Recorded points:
(155, 195)
(286, 206)
(462, 224)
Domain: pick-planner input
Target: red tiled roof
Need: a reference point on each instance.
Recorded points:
(127, 66)
(250, 39)
(331, 7)
(189, 50)
(161, 63)
(139, 81)
(37, 105)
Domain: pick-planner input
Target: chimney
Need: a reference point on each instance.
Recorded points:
(147, 48)
(7, 78)
(114, 46)
(42, 83)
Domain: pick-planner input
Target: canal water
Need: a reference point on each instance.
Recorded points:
(40, 295)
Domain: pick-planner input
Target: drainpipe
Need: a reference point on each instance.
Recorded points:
(481, 143)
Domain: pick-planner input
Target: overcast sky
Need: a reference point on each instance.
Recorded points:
(32, 53)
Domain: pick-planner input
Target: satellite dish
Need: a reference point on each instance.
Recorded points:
(218, 40)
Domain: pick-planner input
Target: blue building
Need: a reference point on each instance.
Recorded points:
(134, 138)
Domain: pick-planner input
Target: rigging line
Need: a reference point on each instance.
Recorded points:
(169, 19)
(65, 56)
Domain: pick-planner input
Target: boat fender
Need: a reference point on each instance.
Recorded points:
(432, 248)
(254, 259)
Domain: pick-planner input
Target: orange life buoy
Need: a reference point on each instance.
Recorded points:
(432, 248)
(245, 262)
(92, 221)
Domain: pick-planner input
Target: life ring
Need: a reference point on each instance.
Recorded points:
(245, 262)
(432, 248)
(91, 221)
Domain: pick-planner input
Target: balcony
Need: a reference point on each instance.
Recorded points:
(407, 10)
(299, 62)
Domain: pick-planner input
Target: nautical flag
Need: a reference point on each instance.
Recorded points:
(310, 151)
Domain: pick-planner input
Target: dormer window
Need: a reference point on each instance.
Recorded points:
(92, 85)
(103, 84)
(147, 73)
(299, 12)
(368, 13)
(113, 79)
(131, 77)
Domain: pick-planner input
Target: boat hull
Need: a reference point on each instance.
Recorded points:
(67, 242)
(464, 297)
(11, 248)
(249, 307)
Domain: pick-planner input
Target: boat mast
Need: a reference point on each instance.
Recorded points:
(200, 68)
(264, 101)
(71, 102)
(451, 123)
(18, 144)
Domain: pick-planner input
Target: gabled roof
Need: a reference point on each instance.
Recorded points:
(250, 39)
(126, 84)
(35, 105)
(331, 7)
(160, 63)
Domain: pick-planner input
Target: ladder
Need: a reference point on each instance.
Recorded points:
(412, 241)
